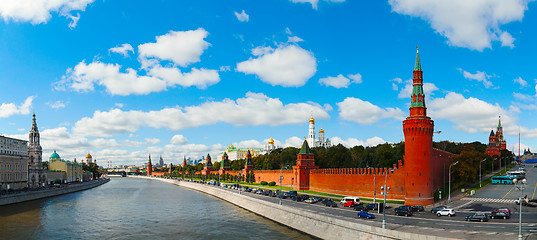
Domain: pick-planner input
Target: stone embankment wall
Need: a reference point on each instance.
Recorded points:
(29, 196)
(316, 224)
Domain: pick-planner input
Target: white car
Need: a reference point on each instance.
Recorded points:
(446, 212)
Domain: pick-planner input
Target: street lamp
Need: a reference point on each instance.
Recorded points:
(449, 190)
(238, 183)
(520, 185)
(385, 192)
(480, 179)
(281, 178)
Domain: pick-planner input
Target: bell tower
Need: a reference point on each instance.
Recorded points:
(418, 129)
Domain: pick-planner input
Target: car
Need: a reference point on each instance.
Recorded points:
(371, 206)
(404, 212)
(502, 209)
(446, 212)
(284, 195)
(436, 209)
(354, 199)
(360, 208)
(293, 193)
(404, 207)
(418, 208)
(317, 199)
(330, 204)
(327, 200)
(310, 200)
(496, 215)
(365, 214)
(479, 217)
(349, 204)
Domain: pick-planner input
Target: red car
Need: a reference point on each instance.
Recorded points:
(504, 209)
(349, 204)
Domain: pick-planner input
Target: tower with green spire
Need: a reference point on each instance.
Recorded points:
(304, 163)
(149, 167)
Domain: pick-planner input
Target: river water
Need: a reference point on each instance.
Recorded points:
(133, 208)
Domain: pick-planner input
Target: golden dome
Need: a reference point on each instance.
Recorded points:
(321, 131)
(231, 146)
(312, 120)
(88, 156)
(271, 141)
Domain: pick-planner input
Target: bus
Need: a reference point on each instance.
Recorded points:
(508, 179)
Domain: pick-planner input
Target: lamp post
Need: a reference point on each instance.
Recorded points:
(449, 190)
(480, 178)
(520, 185)
(385, 192)
(281, 178)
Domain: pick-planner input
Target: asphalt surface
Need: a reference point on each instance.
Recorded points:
(487, 199)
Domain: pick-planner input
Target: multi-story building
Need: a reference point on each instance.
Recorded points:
(37, 174)
(73, 170)
(13, 163)
(239, 153)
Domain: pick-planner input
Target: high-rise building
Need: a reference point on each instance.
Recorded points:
(13, 163)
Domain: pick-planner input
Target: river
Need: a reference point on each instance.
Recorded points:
(133, 208)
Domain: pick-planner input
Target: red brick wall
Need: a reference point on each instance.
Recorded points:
(440, 159)
(274, 175)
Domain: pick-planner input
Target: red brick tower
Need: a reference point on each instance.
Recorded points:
(418, 130)
(224, 164)
(248, 165)
(208, 165)
(149, 167)
(301, 172)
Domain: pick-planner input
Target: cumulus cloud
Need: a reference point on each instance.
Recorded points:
(153, 141)
(253, 110)
(294, 39)
(39, 11)
(365, 113)
(315, 2)
(406, 92)
(520, 81)
(57, 105)
(351, 142)
(181, 47)
(178, 139)
(341, 81)
(124, 49)
(469, 24)
(478, 76)
(9, 109)
(243, 17)
(287, 66)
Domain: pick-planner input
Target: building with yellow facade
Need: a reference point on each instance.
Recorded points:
(73, 170)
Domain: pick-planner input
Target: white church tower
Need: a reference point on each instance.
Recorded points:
(311, 134)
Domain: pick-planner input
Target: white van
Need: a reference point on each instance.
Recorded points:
(354, 199)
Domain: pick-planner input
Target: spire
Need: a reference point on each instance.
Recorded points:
(149, 158)
(249, 159)
(499, 122)
(491, 133)
(417, 67)
(305, 149)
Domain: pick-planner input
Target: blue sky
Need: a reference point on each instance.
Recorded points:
(123, 79)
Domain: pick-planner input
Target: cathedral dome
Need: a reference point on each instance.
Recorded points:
(88, 156)
(231, 146)
(312, 120)
(271, 141)
(55, 155)
(321, 131)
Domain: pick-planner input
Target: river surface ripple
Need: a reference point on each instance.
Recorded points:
(133, 208)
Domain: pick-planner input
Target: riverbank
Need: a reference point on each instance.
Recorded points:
(314, 223)
(34, 195)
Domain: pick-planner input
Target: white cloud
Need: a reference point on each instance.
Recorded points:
(253, 110)
(258, 51)
(153, 141)
(287, 66)
(479, 76)
(341, 81)
(406, 92)
(182, 48)
(9, 109)
(315, 2)
(351, 142)
(470, 24)
(363, 112)
(119, 105)
(179, 139)
(243, 17)
(294, 39)
(58, 104)
(124, 49)
(39, 11)
(521, 81)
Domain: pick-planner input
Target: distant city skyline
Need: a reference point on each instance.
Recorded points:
(123, 79)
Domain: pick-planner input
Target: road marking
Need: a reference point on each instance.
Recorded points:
(508, 192)
(469, 202)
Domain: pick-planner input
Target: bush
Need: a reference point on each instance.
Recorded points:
(272, 183)
(263, 183)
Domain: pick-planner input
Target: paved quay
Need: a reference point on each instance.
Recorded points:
(424, 223)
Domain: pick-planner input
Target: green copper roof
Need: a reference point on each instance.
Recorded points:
(225, 154)
(55, 155)
(499, 123)
(418, 97)
(417, 67)
(305, 148)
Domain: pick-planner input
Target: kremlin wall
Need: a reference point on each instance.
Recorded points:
(413, 180)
